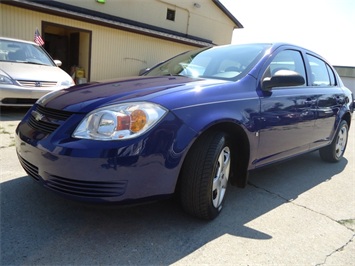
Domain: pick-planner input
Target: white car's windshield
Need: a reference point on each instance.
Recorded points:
(12, 51)
(224, 62)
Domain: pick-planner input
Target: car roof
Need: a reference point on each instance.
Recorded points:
(280, 44)
(17, 40)
(272, 46)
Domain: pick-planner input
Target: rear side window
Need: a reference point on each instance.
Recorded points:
(321, 72)
(331, 76)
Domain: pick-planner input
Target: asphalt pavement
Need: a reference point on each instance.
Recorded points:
(301, 212)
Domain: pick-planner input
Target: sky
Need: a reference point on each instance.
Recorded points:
(326, 27)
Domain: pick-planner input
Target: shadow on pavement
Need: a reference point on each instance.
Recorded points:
(12, 113)
(38, 227)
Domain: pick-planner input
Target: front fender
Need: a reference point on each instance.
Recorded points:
(203, 116)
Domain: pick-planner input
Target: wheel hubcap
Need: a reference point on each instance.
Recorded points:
(221, 179)
(341, 142)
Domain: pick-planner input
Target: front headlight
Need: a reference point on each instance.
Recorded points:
(5, 79)
(121, 121)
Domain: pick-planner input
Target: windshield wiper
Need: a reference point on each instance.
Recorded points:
(174, 75)
(34, 63)
(25, 62)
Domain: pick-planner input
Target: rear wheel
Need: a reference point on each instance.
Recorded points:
(204, 176)
(335, 151)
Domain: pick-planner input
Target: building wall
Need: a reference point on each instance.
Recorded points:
(204, 20)
(349, 83)
(347, 75)
(114, 53)
(120, 53)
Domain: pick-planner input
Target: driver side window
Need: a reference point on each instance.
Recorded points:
(286, 60)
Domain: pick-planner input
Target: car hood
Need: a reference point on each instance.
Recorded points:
(25, 71)
(87, 97)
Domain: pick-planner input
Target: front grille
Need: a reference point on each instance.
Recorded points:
(91, 189)
(52, 113)
(30, 169)
(88, 189)
(19, 101)
(47, 120)
(37, 84)
(42, 126)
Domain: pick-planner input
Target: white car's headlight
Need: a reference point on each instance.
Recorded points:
(5, 79)
(121, 121)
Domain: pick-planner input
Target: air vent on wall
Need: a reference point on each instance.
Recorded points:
(170, 14)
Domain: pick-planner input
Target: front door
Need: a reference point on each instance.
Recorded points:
(287, 114)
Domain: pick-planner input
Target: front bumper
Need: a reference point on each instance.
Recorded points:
(11, 95)
(101, 171)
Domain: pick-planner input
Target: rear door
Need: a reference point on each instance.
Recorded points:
(330, 99)
(287, 114)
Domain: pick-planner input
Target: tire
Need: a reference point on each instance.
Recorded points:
(204, 176)
(335, 151)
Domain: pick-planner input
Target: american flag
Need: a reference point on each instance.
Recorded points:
(38, 39)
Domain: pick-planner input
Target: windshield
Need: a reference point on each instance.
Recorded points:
(12, 51)
(223, 62)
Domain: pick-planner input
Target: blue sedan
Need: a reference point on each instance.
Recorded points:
(189, 126)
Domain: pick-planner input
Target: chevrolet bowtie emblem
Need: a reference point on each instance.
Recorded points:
(37, 115)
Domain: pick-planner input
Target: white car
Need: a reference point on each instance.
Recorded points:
(27, 72)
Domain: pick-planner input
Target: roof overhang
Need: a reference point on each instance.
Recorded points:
(98, 18)
(228, 14)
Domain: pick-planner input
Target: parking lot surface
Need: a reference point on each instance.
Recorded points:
(301, 212)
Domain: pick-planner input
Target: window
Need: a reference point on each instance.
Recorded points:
(223, 62)
(322, 75)
(331, 76)
(170, 14)
(286, 60)
(13, 51)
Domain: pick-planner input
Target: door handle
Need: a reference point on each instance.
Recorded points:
(310, 101)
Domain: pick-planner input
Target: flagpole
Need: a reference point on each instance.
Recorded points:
(37, 38)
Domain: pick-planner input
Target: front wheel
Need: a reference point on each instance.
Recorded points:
(204, 176)
(335, 151)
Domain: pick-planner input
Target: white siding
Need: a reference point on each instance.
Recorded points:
(206, 21)
(114, 53)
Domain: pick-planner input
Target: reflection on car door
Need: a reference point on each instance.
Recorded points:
(287, 113)
(322, 78)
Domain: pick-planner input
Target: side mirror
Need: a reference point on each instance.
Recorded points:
(58, 63)
(282, 78)
(142, 71)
